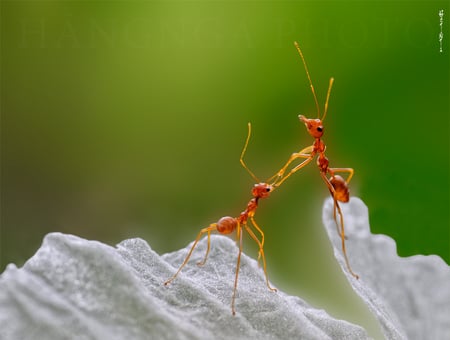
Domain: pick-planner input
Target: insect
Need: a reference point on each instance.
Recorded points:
(227, 225)
(337, 185)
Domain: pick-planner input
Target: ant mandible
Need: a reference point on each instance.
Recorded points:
(337, 185)
(227, 224)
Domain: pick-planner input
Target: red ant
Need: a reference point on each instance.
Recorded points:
(227, 225)
(337, 186)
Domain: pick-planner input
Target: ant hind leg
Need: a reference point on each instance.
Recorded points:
(201, 263)
(204, 230)
(261, 252)
(343, 238)
(238, 264)
(340, 228)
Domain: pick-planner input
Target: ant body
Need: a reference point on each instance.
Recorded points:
(227, 225)
(337, 185)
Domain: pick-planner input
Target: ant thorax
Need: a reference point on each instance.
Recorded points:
(319, 146)
(322, 163)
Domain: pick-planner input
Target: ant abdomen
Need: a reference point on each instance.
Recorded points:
(226, 225)
(342, 194)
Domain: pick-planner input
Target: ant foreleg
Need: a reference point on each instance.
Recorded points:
(306, 153)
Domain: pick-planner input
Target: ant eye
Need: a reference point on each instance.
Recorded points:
(267, 189)
(319, 128)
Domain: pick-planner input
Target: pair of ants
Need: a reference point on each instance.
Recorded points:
(337, 185)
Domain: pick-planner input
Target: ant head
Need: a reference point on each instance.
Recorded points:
(314, 126)
(262, 190)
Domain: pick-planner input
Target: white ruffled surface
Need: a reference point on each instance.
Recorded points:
(78, 289)
(409, 296)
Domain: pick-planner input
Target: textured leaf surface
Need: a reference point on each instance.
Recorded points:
(409, 296)
(78, 289)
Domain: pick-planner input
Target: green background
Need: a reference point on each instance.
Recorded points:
(126, 119)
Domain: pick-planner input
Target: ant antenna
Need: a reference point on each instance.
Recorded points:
(328, 97)
(309, 78)
(243, 152)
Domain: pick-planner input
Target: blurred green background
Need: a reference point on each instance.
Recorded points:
(126, 119)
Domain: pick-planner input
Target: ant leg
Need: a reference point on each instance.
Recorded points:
(336, 206)
(343, 241)
(308, 159)
(201, 263)
(261, 251)
(338, 228)
(261, 244)
(204, 230)
(340, 186)
(238, 264)
(306, 153)
(349, 170)
(341, 230)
